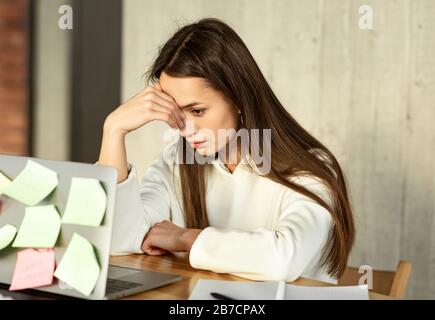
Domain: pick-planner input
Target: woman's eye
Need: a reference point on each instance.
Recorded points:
(197, 112)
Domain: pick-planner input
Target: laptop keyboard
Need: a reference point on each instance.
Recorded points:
(115, 285)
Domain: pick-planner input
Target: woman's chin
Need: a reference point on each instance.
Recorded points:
(202, 151)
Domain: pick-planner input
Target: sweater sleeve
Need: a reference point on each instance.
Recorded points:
(138, 208)
(284, 253)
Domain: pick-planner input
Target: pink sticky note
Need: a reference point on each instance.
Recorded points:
(34, 268)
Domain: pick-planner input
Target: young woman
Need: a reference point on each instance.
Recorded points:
(292, 220)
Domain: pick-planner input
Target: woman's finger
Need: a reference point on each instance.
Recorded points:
(167, 225)
(170, 106)
(146, 244)
(165, 117)
(157, 89)
(174, 120)
(154, 251)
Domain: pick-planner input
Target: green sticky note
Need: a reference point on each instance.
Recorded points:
(7, 234)
(86, 202)
(39, 229)
(79, 267)
(33, 184)
(4, 182)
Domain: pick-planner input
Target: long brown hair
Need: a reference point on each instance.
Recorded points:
(212, 50)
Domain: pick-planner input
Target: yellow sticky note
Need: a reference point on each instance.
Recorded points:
(7, 234)
(32, 185)
(39, 229)
(86, 202)
(4, 182)
(79, 266)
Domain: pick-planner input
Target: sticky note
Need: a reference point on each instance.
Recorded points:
(4, 182)
(34, 268)
(7, 234)
(86, 203)
(39, 229)
(79, 267)
(33, 184)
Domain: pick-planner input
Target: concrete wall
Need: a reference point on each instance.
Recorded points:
(51, 78)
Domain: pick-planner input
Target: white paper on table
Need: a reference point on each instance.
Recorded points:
(271, 290)
(4, 297)
(294, 292)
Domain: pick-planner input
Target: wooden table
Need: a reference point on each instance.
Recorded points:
(179, 265)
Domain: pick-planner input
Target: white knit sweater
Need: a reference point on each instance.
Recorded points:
(259, 229)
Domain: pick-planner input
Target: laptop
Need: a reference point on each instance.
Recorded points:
(113, 282)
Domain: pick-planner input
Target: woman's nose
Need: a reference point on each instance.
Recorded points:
(189, 129)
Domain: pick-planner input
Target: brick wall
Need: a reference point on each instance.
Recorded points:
(14, 97)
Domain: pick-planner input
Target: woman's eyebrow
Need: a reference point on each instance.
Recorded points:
(190, 105)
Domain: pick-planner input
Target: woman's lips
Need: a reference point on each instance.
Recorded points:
(197, 144)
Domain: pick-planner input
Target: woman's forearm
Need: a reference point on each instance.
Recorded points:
(113, 152)
(147, 105)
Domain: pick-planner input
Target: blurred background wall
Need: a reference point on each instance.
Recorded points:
(369, 95)
(51, 82)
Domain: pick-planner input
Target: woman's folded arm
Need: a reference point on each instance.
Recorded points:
(284, 253)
